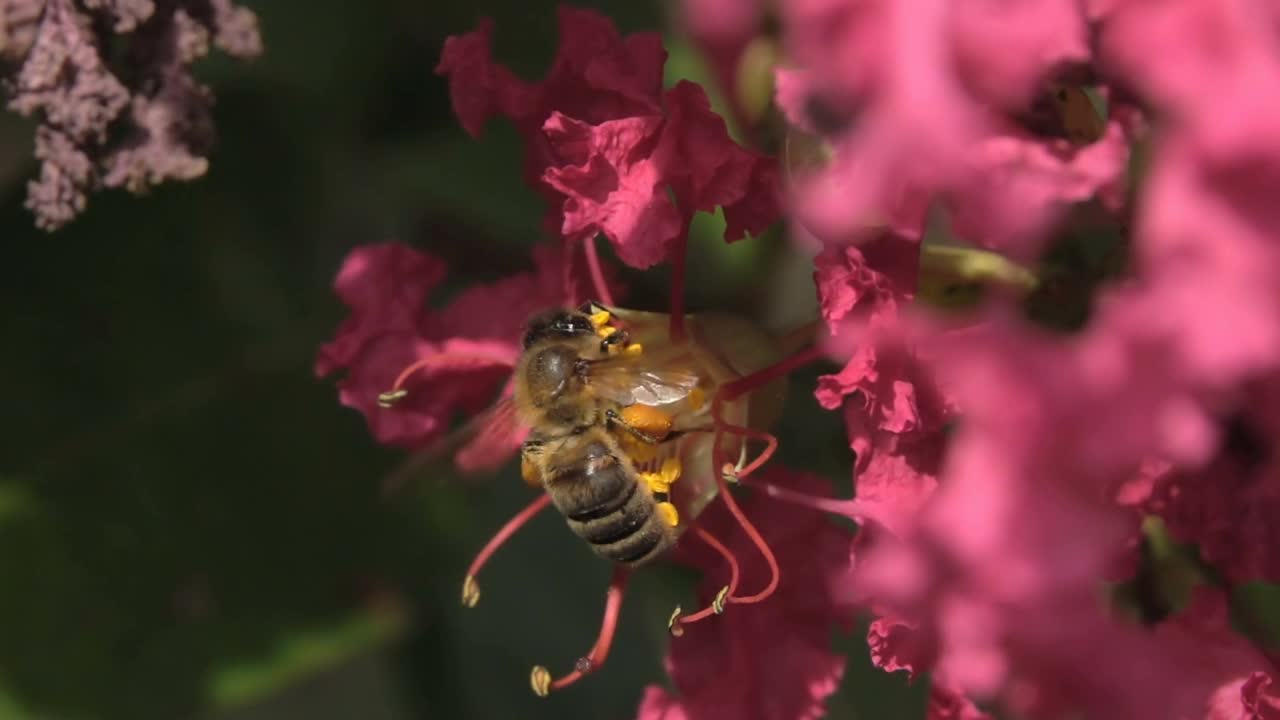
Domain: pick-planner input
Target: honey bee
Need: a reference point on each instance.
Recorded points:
(588, 394)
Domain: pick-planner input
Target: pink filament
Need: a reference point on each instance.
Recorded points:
(608, 627)
(507, 531)
(603, 294)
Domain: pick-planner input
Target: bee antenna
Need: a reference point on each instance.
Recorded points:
(540, 678)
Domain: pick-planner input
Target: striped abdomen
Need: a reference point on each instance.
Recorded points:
(605, 504)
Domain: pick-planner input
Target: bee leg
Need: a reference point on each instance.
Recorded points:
(612, 417)
(618, 337)
(529, 450)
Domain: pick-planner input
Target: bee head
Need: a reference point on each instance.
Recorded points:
(557, 325)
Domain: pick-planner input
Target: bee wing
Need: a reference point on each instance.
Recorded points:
(631, 381)
(478, 445)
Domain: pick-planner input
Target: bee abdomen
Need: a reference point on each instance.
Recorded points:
(622, 524)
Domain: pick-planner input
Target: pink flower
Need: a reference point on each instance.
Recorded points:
(611, 185)
(1260, 699)
(770, 660)
(464, 353)
(1230, 507)
(1000, 470)
(604, 143)
(936, 87)
(947, 704)
(893, 412)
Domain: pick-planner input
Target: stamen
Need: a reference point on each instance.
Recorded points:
(540, 678)
(471, 588)
(669, 514)
(727, 472)
(597, 273)
(736, 472)
(800, 337)
(675, 623)
(853, 509)
(451, 360)
(599, 319)
(697, 398)
(679, 255)
(718, 463)
(733, 390)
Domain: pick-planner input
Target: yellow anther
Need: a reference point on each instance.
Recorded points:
(662, 480)
(634, 349)
(470, 592)
(600, 318)
(605, 331)
(654, 482)
(391, 397)
(669, 514)
(671, 468)
(540, 681)
(730, 472)
(697, 399)
(673, 623)
(717, 605)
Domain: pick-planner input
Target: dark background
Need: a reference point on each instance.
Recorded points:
(190, 524)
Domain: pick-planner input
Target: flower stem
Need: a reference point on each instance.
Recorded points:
(603, 294)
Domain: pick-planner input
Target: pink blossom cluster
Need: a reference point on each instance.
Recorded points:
(1002, 468)
(104, 125)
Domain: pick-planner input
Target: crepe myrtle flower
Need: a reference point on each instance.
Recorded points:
(410, 367)
(1001, 457)
(990, 449)
(615, 156)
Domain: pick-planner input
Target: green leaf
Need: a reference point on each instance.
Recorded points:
(300, 654)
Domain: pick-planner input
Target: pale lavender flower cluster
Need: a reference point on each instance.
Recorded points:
(108, 83)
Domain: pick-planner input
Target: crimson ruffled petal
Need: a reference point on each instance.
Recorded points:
(612, 186)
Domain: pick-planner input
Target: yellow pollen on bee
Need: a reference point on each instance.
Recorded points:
(638, 450)
(529, 472)
(600, 319)
(647, 419)
(605, 331)
(669, 514)
(634, 349)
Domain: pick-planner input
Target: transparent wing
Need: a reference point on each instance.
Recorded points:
(631, 380)
(483, 443)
